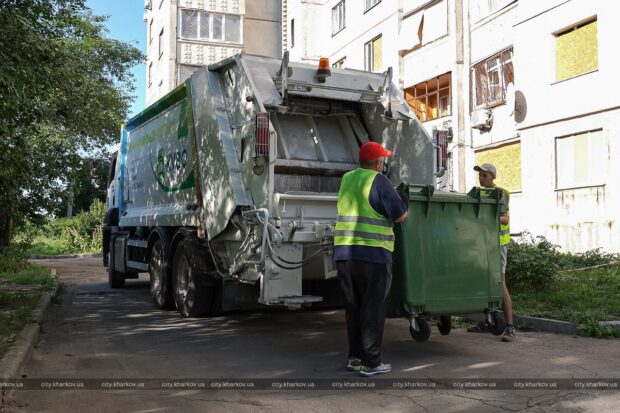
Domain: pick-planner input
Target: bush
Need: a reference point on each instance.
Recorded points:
(82, 233)
(589, 259)
(532, 262)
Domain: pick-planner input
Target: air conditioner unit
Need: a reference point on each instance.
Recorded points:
(482, 119)
(148, 4)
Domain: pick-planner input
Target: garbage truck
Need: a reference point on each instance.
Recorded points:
(225, 189)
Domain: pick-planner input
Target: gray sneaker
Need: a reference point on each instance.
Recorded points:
(509, 334)
(372, 371)
(354, 364)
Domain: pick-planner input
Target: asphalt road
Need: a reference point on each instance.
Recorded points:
(116, 336)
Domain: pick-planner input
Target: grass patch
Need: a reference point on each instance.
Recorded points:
(583, 297)
(21, 286)
(43, 245)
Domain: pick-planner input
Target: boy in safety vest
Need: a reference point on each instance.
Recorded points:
(487, 174)
(368, 206)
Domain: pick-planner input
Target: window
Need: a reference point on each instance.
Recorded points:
(160, 43)
(484, 8)
(581, 160)
(373, 55)
(576, 50)
(369, 4)
(210, 26)
(151, 32)
(339, 64)
(490, 79)
(431, 99)
(338, 18)
(507, 160)
(292, 33)
(149, 74)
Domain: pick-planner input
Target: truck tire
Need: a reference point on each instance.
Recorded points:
(116, 279)
(194, 288)
(161, 285)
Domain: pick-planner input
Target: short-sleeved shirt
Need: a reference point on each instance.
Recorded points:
(384, 199)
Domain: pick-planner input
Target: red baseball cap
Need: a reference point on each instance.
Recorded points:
(372, 150)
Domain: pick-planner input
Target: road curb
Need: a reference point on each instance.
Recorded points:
(60, 257)
(19, 353)
(548, 325)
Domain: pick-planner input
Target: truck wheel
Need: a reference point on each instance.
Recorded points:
(423, 332)
(498, 324)
(116, 279)
(193, 295)
(161, 287)
(444, 325)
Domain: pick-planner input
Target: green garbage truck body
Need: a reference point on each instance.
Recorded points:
(225, 190)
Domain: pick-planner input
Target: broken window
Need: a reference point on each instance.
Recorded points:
(338, 18)
(581, 160)
(373, 53)
(576, 50)
(431, 99)
(210, 26)
(490, 78)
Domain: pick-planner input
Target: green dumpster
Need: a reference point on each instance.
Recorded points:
(446, 259)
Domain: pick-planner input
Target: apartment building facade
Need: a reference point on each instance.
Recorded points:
(524, 85)
(183, 35)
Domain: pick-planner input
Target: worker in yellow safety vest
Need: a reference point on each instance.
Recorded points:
(486, 175)
(368, 206)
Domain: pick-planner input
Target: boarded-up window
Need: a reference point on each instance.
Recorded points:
(431, 99)
(373, 55)
(507, 160)
(576, 50)
(581, 160)
(490, 79)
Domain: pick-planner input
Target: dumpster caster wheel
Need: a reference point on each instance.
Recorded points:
(424, 330)
(444, 325)
(497, 323)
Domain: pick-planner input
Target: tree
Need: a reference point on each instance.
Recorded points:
(65, 88)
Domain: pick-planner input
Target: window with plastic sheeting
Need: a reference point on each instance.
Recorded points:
(581, 160)
(373, 55)
(507, 161)
(490, 79)
(576, 50)
(430, 99)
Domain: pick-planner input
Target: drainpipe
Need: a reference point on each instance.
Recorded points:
(460, 68)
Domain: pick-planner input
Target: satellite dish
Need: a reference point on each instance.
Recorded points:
(510, 98)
